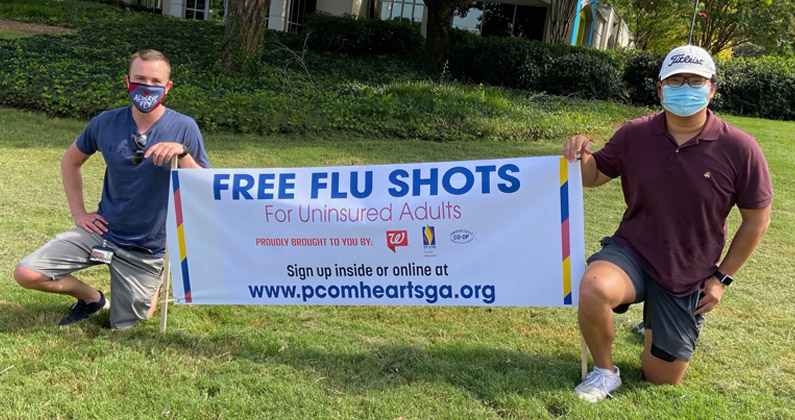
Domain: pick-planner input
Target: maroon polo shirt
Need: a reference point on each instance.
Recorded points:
(678, 197)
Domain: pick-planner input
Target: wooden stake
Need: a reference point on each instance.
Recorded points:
(166, 289)
(583, 357)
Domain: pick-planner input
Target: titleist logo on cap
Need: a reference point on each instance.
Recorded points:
(687, 59)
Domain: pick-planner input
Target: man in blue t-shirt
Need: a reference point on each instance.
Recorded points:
(127, 232)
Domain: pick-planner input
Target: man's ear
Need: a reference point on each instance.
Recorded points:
(168, 86)
(127, 80)
(659, 91)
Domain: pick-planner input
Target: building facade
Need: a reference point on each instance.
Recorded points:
(595, 24)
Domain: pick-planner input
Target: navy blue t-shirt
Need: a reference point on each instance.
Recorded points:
(135, 197)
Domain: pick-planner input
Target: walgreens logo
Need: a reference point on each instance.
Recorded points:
(396, 238)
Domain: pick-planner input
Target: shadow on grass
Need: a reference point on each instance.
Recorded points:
(488, 373)
(19, 317)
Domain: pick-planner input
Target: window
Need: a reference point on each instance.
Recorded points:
(298, 11)
(196, 9)
(155, 6)
(409, 10)
(502, 19)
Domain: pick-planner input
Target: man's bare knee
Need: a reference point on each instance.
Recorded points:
(604, 283)
(595, 290)
(28, 278)
(657, 370)
(599, 292)
(658, 378)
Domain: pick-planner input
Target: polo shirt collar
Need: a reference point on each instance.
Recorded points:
(708, 133)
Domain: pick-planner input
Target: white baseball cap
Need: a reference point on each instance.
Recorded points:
(688, 59)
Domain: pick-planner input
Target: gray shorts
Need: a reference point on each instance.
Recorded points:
(675, 327)
(134, 276)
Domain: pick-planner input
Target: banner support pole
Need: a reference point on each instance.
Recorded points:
(166, 276)
(583, 358)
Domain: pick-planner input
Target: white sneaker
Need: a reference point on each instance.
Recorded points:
(598, 386)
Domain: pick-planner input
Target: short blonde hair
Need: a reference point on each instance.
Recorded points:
(150, 54)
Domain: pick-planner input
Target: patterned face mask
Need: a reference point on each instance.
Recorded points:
(146, 98)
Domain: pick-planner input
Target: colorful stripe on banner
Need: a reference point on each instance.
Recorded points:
(564, 230)
(183, 257)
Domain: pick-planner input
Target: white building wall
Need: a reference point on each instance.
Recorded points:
(359, 7)
(606, 25)
(173, 7)
(624, 37)
(277, 15)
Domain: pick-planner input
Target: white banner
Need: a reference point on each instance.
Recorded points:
(505, 232)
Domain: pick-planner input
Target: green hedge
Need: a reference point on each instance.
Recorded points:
(640, 77)
(82, 73)
(362, 36)
(518, 63)
(758, 87)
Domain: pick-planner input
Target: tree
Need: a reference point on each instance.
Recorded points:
(245, 23)
(560, 19)
(440, 20)
(657, 25)
(730, 23)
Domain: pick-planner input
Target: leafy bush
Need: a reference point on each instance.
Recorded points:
(519, 63)
(640, 77)
(362, 36)
(289, 90)
(759, 87)
(62, 13)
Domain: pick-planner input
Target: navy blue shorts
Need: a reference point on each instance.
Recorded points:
(675, 327)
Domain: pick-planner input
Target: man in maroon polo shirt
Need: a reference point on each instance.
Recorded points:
(682, 170)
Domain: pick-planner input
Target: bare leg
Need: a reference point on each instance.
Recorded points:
(658, 371)
(68, 285)
(155, 299)
(603, 287)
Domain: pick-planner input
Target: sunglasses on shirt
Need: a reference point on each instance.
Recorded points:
(140, 141)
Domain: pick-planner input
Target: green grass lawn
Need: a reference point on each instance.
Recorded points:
(9, 34)
(307, 362)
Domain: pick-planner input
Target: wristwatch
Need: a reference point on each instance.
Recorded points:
(184, 153)
(724, 279)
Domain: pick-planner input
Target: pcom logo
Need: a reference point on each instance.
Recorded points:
(429, 241)
(429, 237)
(396, 238)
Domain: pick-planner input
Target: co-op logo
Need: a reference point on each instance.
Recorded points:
(462, 236)
(396, 238)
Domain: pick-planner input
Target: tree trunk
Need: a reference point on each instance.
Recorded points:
(440, 20)
(245, 23)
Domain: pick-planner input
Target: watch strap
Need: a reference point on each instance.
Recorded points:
(724, 279)
(184, 153)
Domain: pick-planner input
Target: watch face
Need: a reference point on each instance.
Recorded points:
(724, 279)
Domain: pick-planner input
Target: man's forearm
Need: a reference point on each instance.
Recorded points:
(73, 186)
(189, 163)
(589, 171)
(745, 240)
